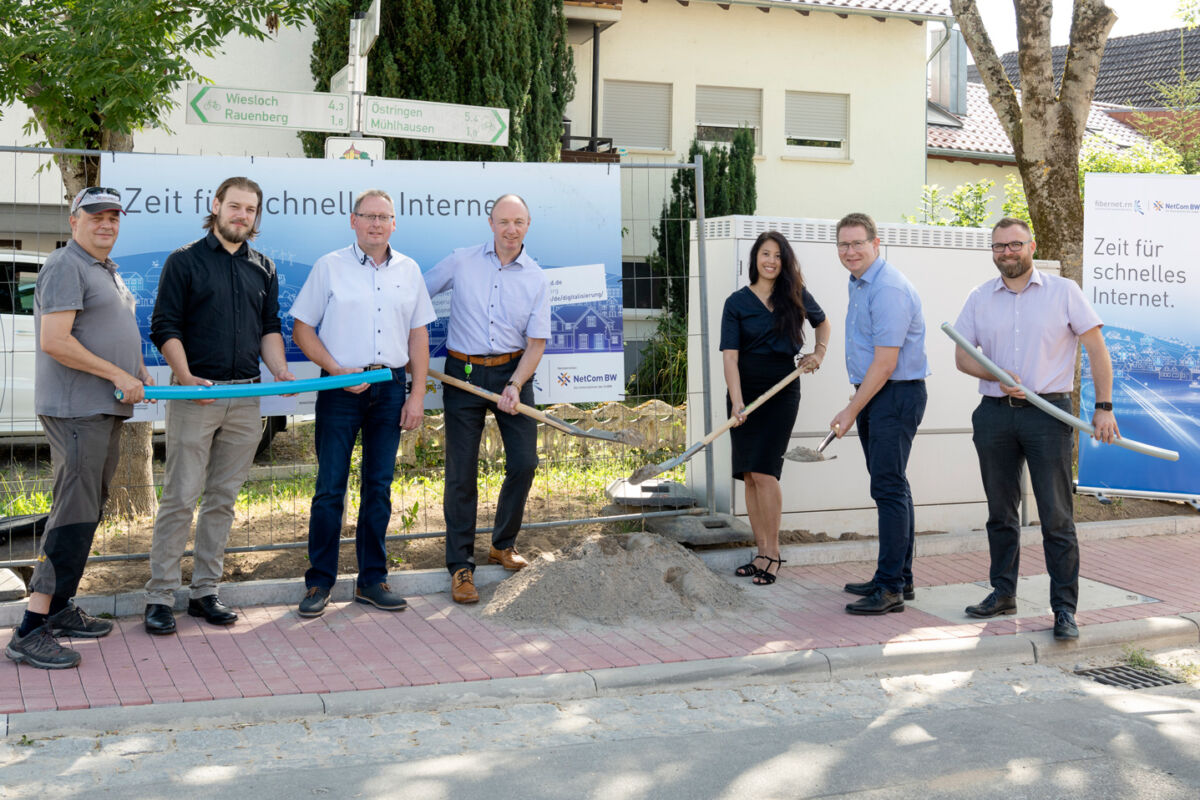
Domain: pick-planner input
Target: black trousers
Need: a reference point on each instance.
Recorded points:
(465, 416)
(1005, 438)
(83, 454)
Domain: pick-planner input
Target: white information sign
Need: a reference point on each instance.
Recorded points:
(354, 149)
(444, 122)
(304, 111)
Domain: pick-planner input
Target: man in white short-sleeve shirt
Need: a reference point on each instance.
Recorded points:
(362, 307)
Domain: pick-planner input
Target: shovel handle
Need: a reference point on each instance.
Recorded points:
(528, 411)
(758, 401)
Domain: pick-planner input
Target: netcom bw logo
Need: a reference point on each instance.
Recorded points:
(564, 379)
(1158, 205)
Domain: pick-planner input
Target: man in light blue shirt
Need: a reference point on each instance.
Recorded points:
(499, 323)
(886, 362)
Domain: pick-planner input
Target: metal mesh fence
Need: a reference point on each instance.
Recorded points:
(272, 509)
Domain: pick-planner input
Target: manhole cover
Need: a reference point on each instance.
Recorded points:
(1129, 677)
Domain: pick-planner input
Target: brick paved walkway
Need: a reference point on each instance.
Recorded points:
(271, 651)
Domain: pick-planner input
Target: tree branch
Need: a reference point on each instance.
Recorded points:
(1000, 89)
(1089, 32)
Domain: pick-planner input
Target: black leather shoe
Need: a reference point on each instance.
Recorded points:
(868, 587)
(993, 605)
(158, 619)
(213, 610)
(878, 602)
(1064, 625)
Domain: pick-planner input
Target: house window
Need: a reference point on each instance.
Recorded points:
(721, 110)
(638, 114)
(816, 124)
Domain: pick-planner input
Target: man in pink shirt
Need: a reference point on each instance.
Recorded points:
(1031, 324)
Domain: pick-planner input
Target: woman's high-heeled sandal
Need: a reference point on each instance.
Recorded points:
(749, 569)
(764, 578)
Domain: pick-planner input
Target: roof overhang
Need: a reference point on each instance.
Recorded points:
(974, 156)
(589, 12)
(804, 8)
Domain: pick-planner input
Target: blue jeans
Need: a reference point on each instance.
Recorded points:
(886, 428)
(1005, 439)
(340, 417)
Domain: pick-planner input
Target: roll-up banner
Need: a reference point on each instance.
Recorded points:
(1142, 275)
(575, 236)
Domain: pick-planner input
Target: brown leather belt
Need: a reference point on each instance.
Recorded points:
(486, 361)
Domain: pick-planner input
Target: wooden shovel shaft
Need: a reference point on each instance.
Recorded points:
(528, 411)
(758, 401)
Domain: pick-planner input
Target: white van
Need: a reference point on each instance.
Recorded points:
(18, 277)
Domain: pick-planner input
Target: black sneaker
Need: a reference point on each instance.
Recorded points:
(381, 596)
(38, 648)
(73, 621)
(1064, 625)
(314, 602)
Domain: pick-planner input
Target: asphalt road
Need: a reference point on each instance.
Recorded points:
(1011, 733)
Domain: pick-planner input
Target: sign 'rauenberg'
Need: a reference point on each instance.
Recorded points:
(300, 111)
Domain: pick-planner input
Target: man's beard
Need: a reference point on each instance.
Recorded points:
(1015, 268)
(232, 234)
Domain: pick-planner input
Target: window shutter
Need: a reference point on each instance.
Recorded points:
(638, 114)
(810, 115)
(724, 106)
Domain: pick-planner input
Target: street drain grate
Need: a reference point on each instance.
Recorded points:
(1129, 677)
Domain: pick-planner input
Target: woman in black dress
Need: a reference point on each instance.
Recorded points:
(761, 335)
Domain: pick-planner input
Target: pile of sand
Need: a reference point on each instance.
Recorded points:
(609, 579)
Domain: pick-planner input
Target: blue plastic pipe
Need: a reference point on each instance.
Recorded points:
(262, 389)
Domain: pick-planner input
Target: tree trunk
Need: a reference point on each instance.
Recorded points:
(132, 493)
(1047, 123)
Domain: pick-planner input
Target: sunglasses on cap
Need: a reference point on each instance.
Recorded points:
(101, 196)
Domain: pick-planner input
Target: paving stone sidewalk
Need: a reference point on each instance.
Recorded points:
(273, 652)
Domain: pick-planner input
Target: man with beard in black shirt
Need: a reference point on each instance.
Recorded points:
(216, 314)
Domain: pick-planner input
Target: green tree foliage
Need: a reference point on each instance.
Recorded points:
(1096, 156)
(730, 187)
(94, 73)
(967, 204)
(1178, 125)
(501, 53)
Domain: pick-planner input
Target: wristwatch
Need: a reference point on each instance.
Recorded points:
(1104, 406)
(517, 386)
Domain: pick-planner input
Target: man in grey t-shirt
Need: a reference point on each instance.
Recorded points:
(88, 344)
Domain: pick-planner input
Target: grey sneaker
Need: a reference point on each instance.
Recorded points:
(314, 602)
(40, 649)
(381, 596)
(78, 624)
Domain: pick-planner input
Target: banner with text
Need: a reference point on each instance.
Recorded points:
(575, 236)
(1140, 274)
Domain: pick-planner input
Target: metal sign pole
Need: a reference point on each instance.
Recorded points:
(357, 76)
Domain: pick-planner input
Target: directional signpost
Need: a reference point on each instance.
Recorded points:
(346, 109)
(444, 122)
(302, 111)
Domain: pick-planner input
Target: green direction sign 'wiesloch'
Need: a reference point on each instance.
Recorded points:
(445, 122)
(304, 111)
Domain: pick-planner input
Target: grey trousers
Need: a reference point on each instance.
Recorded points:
(209, 451)
(83, 453)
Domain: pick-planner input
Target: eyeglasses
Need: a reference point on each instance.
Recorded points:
(859, 244)
(375, 217)
(1012, 247)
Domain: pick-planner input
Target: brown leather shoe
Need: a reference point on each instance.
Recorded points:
(508, 558)
(462, 587)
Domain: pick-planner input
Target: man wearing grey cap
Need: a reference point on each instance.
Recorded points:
(87, 345)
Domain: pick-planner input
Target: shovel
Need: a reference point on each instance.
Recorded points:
(805, 454)
(620, 437)
(650, 470)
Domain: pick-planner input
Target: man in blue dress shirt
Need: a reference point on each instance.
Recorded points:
(885, 359)
(499, 323)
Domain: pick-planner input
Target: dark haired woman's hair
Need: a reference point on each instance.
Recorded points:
(787, 295)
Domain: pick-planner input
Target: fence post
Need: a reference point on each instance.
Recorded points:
(702, 266)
